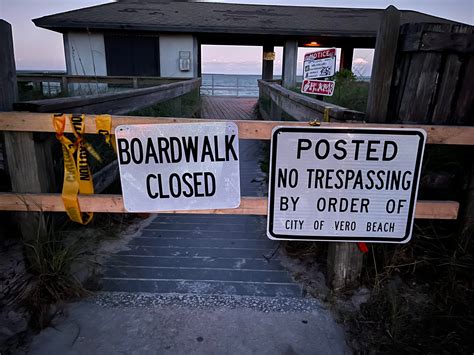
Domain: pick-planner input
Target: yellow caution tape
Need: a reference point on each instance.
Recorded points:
(77, 174)
(103, 124)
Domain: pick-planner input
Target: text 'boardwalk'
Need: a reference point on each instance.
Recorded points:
(179, 166)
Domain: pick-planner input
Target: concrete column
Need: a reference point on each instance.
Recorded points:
(267, 60)
(347, 53)
(290, 56)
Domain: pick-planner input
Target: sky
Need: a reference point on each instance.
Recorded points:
(40, 49)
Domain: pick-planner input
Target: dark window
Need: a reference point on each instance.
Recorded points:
(132, 55)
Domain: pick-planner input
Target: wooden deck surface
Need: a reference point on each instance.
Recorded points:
(230, 108)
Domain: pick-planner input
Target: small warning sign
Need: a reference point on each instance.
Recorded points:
(318, 87)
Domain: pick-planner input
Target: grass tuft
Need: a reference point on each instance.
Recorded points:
(49, 278)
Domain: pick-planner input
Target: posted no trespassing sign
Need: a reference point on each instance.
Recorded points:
(344, 184)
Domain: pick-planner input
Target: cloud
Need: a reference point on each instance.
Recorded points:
(360, 61)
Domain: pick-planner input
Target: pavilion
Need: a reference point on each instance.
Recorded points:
(164, 38)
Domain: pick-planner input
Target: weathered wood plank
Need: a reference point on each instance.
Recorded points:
(42, 122)
(428, 41)
(448, 82)
(382, 69)
(248, 205)
(344, 263)
(28, 160)
(420, 91)
(464, 106)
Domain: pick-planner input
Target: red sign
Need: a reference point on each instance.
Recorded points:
(327, 53)
(318, 87)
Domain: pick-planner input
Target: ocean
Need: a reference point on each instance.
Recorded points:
(237, 85)
(230, 85)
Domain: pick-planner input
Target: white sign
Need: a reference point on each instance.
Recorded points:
(319, 64)
(344, 184)
(186, 166)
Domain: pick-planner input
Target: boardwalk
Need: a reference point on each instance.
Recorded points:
(208, 254)
(233, 108)
(199, 284)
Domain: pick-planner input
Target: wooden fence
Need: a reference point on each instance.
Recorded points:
(36, 122)
(33, 168)
(422, 73)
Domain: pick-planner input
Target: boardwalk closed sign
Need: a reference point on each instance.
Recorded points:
(341, 184)
(165, 167)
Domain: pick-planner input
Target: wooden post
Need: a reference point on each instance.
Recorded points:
(135, 83)
(64, 85)
(382, 69)
(27, 159)
(347, 53)
(344, 265)
(267, 62)
(290, 56)
(8, 85)
(344, 259)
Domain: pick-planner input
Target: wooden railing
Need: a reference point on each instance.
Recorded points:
(64, 80)
(301, 108)
(37, 122)
(113, 103)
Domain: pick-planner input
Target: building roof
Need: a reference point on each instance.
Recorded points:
(212, 19)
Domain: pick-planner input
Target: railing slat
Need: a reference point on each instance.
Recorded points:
(248, 206)
(42, 122)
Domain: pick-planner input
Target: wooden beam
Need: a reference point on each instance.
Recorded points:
(427, 41)
(42, 122)
(249, 205)
(382, 69)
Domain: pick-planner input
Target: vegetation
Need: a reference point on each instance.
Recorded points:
(421, 292)
(349, 91)
(184, 106)
(49, 276)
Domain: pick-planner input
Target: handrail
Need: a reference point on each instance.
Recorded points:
(299, 105)
(116, 103)
(41, 122)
